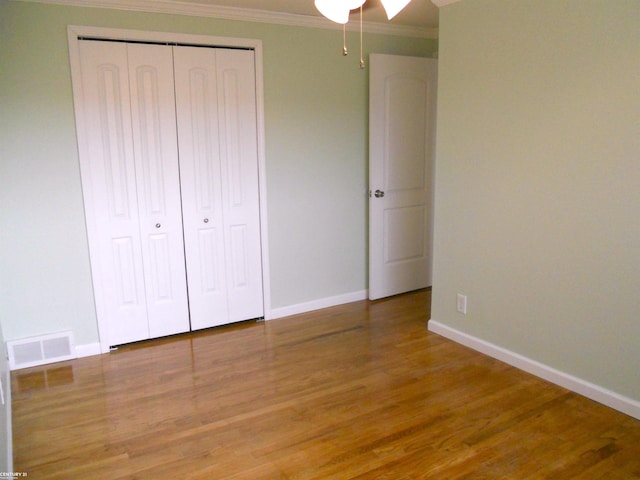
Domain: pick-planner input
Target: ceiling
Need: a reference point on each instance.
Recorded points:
(419, 13)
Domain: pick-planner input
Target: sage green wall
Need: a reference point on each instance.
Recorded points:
(316, 155)
(538, 182)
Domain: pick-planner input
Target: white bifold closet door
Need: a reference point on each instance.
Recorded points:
(170, 182)
(132, 200)
(216, 106)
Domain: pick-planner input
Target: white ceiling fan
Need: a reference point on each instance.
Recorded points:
(338, 10)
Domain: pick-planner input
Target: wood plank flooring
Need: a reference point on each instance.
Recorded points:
(360, 391)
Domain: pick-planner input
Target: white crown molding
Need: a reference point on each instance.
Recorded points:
(176, 7)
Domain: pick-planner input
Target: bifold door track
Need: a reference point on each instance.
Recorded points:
(173, 44)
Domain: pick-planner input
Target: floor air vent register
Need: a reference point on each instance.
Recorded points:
(30, 352)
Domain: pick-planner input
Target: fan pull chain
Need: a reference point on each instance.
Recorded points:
(361, 55)
(344, 40)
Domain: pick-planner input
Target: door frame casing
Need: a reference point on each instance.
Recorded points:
(76, 31)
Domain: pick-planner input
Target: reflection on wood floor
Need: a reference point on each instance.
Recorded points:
(361, 390)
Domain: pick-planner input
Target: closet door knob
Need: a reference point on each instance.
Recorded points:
(206, 220)
(158, 225)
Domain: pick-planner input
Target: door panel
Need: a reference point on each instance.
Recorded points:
(239, 169)
(157, 174)
(405, 124)
(211, 254)
(111, 94)
(402, 136)
(239, 261)
(109, 185)
(160, 289)
(198, 140)
(404, 229)
(124, 266)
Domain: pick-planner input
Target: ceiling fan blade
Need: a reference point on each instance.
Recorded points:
(393, 7)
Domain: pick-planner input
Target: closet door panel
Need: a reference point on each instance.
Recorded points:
(158, 187)
(198, 140)
(240, 190)
(109, 185)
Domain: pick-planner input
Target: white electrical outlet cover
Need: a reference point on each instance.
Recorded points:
(461, 303)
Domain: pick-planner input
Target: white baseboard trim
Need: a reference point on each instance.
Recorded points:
(317, 304)
(600, 394)
(88, 350)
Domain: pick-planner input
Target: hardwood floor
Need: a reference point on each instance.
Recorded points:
(356, 391)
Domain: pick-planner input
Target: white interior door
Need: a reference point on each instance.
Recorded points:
(217, 132)
(401, 151)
